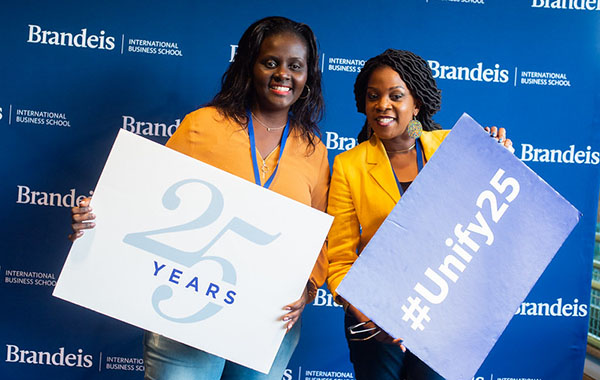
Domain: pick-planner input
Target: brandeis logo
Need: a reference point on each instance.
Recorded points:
(476, 73)
(579, 5)
(561, 156)
(180, 278)
(82, 39)
(15, 354)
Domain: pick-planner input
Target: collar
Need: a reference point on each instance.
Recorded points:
(380, 168)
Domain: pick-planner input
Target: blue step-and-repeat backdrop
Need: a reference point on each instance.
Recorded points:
(532, 66)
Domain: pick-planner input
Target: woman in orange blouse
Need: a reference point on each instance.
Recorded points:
(261, 126)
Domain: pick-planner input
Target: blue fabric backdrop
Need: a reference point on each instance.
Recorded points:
(530, 66)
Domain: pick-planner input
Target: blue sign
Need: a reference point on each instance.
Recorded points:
(447, 269)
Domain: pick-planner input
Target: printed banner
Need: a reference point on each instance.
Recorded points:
(72, 76)
(460, 251)
(193, 253)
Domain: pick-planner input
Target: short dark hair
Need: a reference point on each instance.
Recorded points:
(236, 94)
(415, 72)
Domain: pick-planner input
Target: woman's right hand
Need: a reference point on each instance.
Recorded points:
(81, 219)
(382, 336)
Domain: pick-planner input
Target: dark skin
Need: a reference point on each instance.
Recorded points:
(279, 76)
(389, 106)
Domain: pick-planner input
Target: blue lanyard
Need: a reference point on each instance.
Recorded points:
(284, 137)
(419, 166)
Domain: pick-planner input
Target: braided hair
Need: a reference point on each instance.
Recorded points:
(417, 75)
(236, 94)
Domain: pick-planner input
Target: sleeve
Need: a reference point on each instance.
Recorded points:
(319, 201)
(344, 235)
(186, 138)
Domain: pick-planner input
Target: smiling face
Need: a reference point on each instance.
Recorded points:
(389, 105)
(280, 72)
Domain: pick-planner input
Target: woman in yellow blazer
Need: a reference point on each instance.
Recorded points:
(398, 94)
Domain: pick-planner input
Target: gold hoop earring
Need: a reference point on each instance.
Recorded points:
(307, 93)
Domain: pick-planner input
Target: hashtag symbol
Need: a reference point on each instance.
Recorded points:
(409, 313)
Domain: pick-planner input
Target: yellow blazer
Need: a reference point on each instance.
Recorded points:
(362, 192)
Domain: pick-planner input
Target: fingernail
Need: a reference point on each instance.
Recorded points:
(494, 134)
(288, 308)
(285, 319)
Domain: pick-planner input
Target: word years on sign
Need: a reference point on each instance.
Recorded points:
(177, 277)
(415, 313)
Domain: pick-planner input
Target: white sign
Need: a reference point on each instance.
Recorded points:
(193, 253)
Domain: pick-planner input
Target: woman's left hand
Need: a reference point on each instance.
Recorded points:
(500, 135)
(295, 310)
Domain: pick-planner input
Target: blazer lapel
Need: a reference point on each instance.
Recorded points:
(381, 169)
(431, 141)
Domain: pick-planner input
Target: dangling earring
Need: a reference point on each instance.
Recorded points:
(307, 93)
(415, 128)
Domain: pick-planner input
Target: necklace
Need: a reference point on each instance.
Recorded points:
(284, 137)
(264, 169)
(403, 150)
(269, 129)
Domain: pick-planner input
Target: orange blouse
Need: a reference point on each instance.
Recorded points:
(303, 174)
